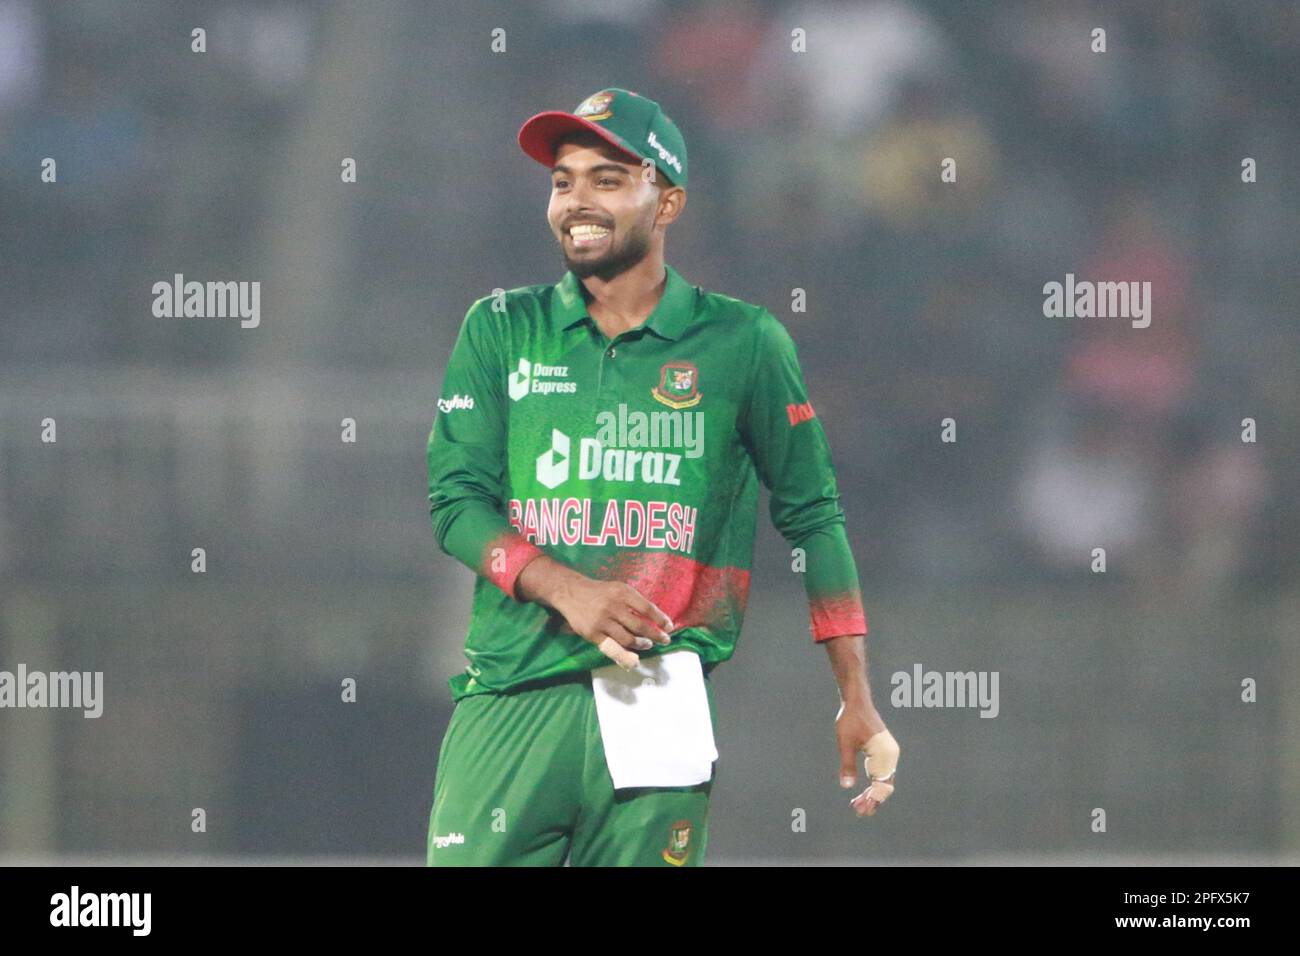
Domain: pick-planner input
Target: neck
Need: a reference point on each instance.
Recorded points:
(625, 301)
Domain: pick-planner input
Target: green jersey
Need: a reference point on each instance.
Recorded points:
(635, 459)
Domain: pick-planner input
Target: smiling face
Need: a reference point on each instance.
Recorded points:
(605, 217)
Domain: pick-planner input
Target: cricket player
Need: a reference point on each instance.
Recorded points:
(596, 461)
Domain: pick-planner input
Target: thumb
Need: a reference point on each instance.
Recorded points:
(848, 765)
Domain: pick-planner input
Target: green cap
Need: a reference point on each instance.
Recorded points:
(624, 119)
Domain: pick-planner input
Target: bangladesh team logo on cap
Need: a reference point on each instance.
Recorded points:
(596, 106)
(679, 385)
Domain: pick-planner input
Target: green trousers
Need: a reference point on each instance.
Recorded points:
(522, 781)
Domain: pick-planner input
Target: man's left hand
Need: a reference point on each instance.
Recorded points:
(858, 728)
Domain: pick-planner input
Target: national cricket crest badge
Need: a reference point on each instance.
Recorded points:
(679, 843)
(595, 107)
(679, 385)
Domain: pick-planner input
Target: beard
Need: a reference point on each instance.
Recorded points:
(620, 256)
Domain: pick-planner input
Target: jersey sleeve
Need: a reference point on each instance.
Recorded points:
(786, 441)
(467, 456)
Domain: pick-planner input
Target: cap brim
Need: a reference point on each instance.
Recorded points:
(538, 135)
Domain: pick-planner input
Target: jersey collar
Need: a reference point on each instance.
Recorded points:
(674, 311)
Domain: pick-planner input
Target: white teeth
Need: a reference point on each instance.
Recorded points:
(588, 231)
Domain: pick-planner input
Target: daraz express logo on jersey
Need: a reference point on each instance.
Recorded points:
(534, 378)
(615, 454)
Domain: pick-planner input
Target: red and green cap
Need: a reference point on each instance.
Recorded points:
(629, 122)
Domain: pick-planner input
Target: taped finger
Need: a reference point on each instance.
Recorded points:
(880, 790)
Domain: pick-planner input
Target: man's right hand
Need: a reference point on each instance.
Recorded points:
(613, 615)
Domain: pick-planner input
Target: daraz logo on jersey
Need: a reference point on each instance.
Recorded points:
(614, 455)
(528, 380)
(610, 464)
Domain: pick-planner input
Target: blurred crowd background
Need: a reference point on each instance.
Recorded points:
(816, 171)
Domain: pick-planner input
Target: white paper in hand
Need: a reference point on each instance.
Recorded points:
(654, 721)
